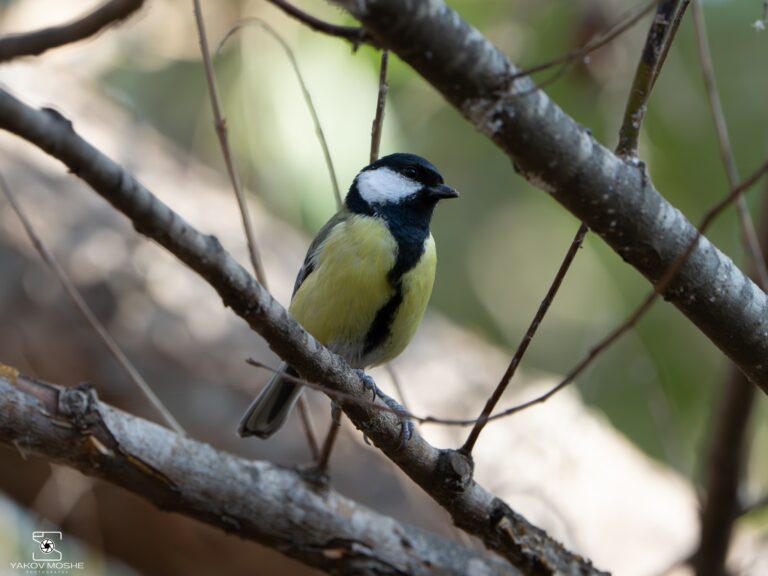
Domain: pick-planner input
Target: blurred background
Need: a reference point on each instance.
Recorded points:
(139, 92)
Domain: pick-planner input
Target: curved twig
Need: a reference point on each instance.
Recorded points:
(35, 43)
(354, 35)
(304, 90)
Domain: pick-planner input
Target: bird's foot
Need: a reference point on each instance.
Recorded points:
(406, 426)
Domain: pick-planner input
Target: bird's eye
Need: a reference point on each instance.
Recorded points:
(410, 172)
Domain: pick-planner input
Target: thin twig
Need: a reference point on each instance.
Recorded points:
(660, 36)
(344, 397)
(469, 444)
(309, 427)
(728, 447)
(304, 90)
(330, 441)
(82, 306)
(39, 41)
(659, 39)
(649, 300)
(381, 100)
(304, 412)
(355, 35)
(629, 19)
(748, 234)
(726, 461)
(221, 132)
(670, 35)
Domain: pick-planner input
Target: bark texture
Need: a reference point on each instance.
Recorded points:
(256, 500)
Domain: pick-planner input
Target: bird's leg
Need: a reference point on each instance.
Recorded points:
(335, 413)
(406, 426)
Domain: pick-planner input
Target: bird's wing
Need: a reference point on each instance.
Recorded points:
(309, 260)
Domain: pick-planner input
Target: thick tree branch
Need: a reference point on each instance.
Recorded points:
(615, 198)
(35, 43)
(256, 500)
(444, 474)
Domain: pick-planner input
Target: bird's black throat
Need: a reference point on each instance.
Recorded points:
(408, 222)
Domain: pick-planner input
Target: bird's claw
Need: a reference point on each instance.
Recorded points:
(368, 382)
(406, 426)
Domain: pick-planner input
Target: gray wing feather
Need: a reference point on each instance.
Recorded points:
(309, 260)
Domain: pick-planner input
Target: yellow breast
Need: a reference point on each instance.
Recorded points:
(338, 301)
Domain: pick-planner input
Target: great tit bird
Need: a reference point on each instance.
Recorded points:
(366, 279)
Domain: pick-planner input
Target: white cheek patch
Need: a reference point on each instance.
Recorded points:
(385, 186)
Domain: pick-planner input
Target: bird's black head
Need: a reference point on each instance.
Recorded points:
(400, 187)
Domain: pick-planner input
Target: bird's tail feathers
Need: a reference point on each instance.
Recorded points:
(268, 412)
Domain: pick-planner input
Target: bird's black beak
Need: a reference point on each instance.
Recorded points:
(441, 192)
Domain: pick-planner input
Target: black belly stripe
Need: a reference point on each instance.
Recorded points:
(379, 330)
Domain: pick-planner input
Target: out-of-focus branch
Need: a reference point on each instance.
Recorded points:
(39, 41)
(615, 198)
(474, 434)
(726, 459)
(355, 35)
(568, 59)
(381, 100)
(668, 277)
(82, 306)
(220, 126)
(304, 92)
(728, 448)
(748, 235)
(669, 13)
(444, 474)
(256, 500)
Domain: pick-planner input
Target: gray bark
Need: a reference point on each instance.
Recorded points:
(613, 196)
(256, 500)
